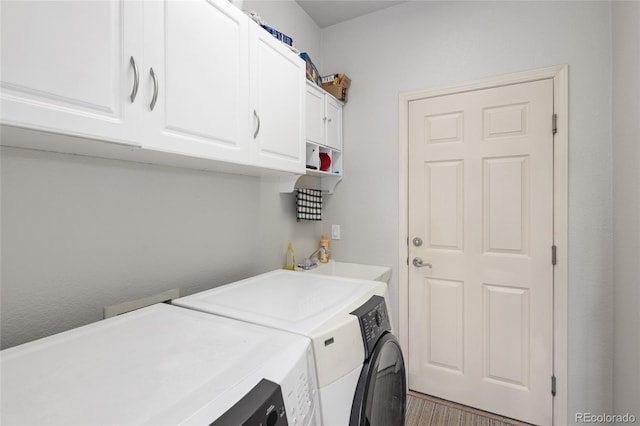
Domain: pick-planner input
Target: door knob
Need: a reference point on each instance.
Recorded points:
(417, 262)
(417, 241)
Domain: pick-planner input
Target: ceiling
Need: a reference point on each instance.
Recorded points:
(328, 12)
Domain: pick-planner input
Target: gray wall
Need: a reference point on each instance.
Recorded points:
(81, 233)
(418, 45)
(626, 206)
(288, 17)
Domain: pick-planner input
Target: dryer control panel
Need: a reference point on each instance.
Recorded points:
(263, 405)
(374, 322)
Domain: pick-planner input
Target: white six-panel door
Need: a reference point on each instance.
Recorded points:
(481, 202)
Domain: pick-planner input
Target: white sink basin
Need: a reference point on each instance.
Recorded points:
(353, 270)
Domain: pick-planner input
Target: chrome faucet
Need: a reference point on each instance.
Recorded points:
(308, 261)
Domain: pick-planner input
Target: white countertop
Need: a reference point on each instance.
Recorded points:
(353, 270)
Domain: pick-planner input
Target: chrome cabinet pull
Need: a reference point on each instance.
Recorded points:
(136, 80)
(155, 89)
(417, 262)
(255, 114)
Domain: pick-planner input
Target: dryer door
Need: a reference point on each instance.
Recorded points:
(381, 396)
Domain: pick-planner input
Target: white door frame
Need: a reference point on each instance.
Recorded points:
(559, 74)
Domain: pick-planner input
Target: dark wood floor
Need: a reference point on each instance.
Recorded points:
(424, 410)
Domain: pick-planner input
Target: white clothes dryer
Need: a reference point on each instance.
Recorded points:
(161, 365)
(359, 363)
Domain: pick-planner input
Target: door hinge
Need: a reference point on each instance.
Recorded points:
(553, 385)
(554, 258)
(554, 123)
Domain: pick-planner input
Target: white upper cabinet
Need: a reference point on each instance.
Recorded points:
(277, 103)
(323, 147)
(316, 117)
(194, 79)
(324, 118)
(333, 110)
(70, 67)
(198, 51)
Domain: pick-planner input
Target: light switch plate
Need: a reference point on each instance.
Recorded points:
(335, 232)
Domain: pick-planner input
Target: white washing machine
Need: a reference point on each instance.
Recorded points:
(359, 363)
(161, 365)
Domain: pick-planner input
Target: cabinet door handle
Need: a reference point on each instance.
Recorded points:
(136, 80)
(155, 89)
(329, 120)
(255, 114)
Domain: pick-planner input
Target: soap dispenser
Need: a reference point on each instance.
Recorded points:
(324, 245)
(291, 258)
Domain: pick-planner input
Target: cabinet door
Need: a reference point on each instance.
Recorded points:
(66, 67)
(278, 103)
(334, 123)
(198, 51)
(315, 114)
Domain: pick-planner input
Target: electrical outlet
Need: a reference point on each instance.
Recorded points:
(335, 232)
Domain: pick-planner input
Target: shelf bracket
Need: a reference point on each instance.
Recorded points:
(326, 183)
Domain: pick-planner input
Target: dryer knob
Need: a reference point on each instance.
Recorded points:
(378, 318)
(272, 418)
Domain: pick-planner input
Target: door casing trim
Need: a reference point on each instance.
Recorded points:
(559, 74)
